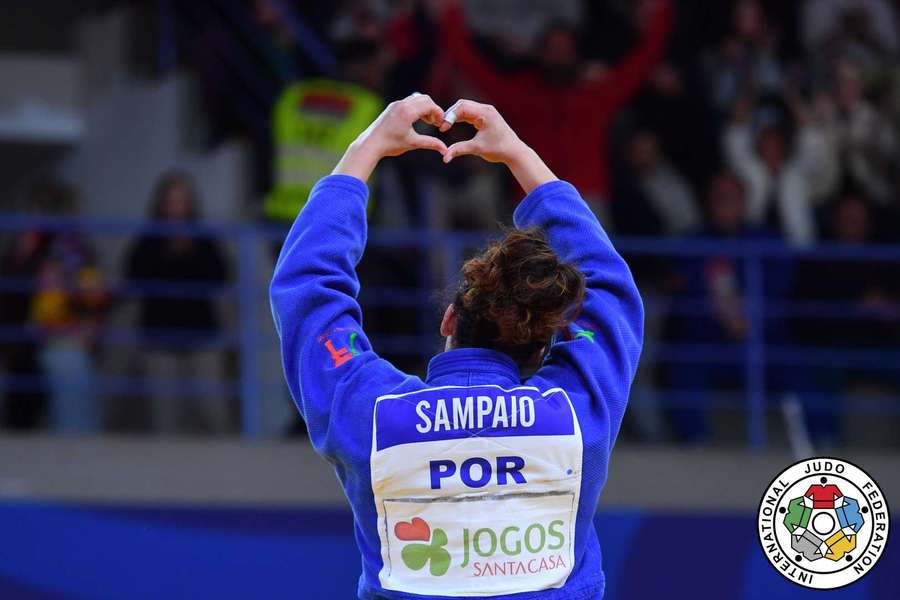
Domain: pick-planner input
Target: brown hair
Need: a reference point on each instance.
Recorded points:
(515, 295)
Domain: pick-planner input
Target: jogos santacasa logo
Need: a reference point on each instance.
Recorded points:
(416, 555)
(823, 523)
(426, 546)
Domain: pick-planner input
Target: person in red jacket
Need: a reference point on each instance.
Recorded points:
(564, 118)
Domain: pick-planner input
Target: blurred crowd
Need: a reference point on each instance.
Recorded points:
(740, 121)
(644, 105)
(57, 310)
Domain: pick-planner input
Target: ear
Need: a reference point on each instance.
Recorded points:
(448, 323)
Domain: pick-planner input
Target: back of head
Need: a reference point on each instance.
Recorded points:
(515, 295)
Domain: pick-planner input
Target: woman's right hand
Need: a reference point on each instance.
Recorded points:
(495, 141)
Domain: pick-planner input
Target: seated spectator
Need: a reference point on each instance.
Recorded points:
(183, 361)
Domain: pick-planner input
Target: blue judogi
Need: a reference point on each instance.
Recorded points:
(466, 452)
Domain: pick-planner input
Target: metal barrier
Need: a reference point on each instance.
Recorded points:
(248, 290)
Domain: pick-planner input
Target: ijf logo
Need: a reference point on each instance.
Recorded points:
(416, 555)
(823, 523)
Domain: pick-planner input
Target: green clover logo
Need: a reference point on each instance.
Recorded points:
(416, 555)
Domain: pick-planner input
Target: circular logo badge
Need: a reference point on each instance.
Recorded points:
(823, 523)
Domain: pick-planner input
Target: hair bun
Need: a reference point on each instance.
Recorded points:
(519, 292)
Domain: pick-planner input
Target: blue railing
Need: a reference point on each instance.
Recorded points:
(755, 355)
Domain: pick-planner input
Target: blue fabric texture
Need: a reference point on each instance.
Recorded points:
(335, 376)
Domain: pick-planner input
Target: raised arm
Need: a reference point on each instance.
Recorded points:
(629, 74)
(500, 88)
(328, 362)
(600, 351)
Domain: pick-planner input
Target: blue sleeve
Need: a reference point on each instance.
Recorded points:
(599, 352)
(331, 370)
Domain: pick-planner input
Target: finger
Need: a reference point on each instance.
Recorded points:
(468, 111)
(426, 109)
(450, 117)
(461, 149)
(449, 120)
(427, 142)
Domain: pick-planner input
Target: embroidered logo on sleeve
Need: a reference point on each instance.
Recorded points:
(342, 354)
(579, 331)
(585, 333)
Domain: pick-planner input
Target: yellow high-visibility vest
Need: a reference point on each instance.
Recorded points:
(312, 124)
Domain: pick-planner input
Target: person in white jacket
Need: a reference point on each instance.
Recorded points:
(779, 177)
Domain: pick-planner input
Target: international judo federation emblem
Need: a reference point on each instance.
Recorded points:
(823, 523)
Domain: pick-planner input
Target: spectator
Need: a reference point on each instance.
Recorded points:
(54, 320)
(314, 120)
(777, 169)
(180, 327)
(519, 25)
(654, 199)
(560, 108)
(823, 118)
(746, 60)
(864, 31)
(865, 138)
(672, 107)
(67, 310)
(861, 305)
(713, 288)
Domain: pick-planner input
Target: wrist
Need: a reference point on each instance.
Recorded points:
(528, 168)
(519, 154)
(360, 159)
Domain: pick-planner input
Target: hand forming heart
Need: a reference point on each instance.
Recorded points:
(392, 134)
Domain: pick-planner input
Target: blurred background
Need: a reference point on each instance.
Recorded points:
(743, 155)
